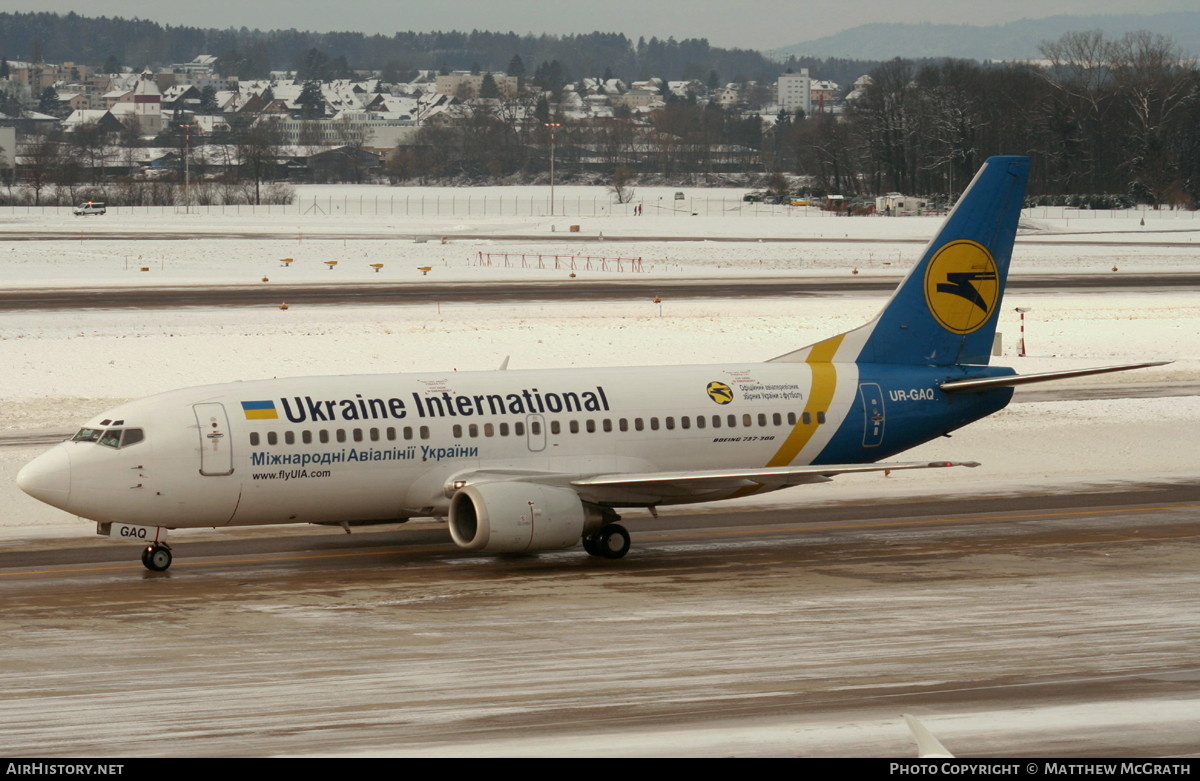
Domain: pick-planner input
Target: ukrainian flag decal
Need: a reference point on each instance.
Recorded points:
(720, 392)
(260, 410)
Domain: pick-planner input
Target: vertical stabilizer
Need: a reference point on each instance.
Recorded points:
(945, 311)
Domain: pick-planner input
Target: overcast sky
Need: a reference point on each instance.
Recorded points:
(748, 24)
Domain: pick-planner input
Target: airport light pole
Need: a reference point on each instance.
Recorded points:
(553, 126)
(187, 169)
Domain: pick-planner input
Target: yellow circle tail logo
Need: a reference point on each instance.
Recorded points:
(962, 286)
(720, 392)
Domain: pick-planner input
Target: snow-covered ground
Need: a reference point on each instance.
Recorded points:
(60, 368)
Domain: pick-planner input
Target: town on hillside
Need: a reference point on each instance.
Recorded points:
(191, 133)
(72, 122)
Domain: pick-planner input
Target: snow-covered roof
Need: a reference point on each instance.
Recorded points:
(83, 116)
(147, 86)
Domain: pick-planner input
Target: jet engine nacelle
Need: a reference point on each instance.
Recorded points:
(515, 517)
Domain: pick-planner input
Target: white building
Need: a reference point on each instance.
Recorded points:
(794, 92)
(147, 101)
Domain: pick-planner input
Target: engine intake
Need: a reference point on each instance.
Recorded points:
(516, 517)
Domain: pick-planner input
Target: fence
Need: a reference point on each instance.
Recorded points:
(454, 206)
(560, 262)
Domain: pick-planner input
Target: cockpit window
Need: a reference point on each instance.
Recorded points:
(114, 437)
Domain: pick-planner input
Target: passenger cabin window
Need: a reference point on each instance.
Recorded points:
(254, 439)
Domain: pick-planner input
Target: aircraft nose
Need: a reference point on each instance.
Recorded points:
(47, 478)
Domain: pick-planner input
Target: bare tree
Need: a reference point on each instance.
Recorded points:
(43, 162)
(258, 153)
(1080, 72)
(621, 184)
(1157, 85)
(90, 142)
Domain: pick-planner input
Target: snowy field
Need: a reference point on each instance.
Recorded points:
(60, 368)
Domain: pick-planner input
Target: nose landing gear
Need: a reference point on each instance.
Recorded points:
(157, 557)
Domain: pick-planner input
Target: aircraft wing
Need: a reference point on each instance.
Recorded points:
(651, 487)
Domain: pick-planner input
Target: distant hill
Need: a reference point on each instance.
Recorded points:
(1013, 41)
(247, 53)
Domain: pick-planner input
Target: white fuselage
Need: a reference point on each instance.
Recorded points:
(378, 447)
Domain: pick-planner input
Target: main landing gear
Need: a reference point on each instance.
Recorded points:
(611, 542)
(157, 557)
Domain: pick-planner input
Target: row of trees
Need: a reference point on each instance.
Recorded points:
(57, 167)
(253, 53)
(512, 140)
(1102, 116)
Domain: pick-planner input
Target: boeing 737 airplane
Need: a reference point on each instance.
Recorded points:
(539, 460)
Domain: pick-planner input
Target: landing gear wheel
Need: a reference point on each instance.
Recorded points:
(613, 541)
(591, 544)
(156, 558)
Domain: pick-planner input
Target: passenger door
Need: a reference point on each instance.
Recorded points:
(216, 449)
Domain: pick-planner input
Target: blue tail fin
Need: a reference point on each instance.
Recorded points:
(944, 312)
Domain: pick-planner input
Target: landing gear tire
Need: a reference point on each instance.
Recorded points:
(156, 558)
(591, 544)
(613, 541)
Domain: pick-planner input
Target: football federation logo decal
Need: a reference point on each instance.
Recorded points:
(720, 392)
(962, 286)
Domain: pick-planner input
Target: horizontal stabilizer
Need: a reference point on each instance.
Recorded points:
(987, 383)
